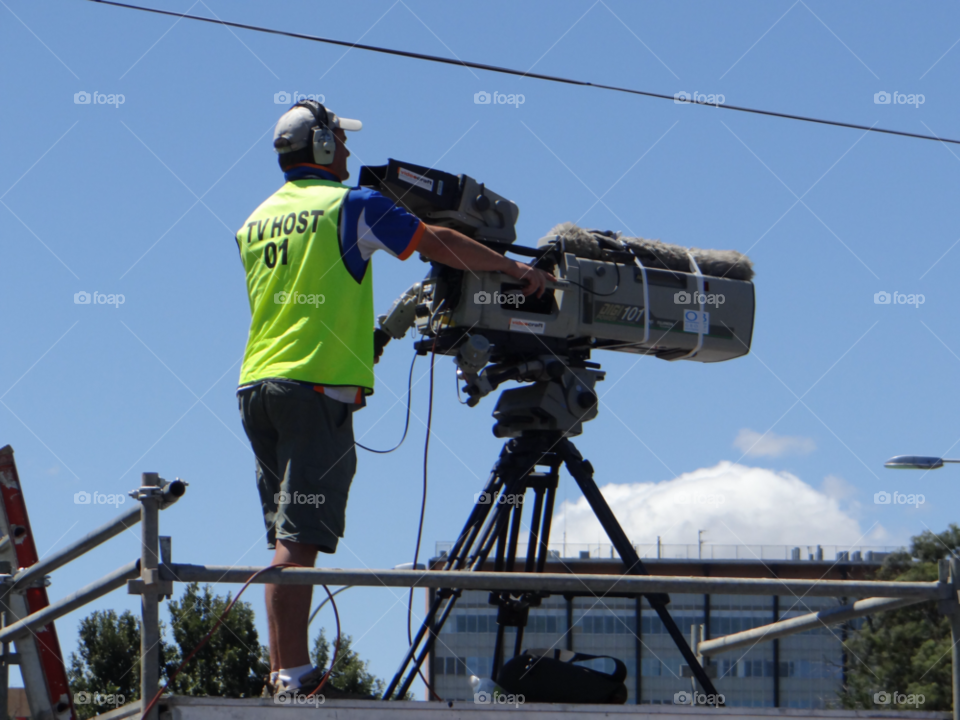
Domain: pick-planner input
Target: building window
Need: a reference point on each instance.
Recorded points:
(650, 667)
(543, 624)
(611, 624)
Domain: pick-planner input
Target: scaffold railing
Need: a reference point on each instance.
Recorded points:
(154, 574)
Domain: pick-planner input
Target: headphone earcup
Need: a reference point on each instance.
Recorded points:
(324, 145)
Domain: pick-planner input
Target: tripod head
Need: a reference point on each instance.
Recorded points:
(559, 398)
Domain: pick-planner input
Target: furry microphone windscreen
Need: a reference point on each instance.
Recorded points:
(652, 253)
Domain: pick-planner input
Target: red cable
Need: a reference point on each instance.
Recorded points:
(326, 675)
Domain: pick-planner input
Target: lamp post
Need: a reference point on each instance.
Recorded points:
(950, 608)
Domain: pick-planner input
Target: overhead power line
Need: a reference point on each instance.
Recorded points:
(519, 73)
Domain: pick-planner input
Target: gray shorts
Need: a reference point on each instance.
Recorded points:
(305, 459)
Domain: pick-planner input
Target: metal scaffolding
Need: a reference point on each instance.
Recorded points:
(153, 575)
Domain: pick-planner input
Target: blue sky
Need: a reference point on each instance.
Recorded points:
(141, 199)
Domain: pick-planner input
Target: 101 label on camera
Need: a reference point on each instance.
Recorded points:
(619, 314)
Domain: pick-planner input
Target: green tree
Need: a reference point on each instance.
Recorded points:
(907, 650)
(350, 674)
(231, 664)
(107, 662)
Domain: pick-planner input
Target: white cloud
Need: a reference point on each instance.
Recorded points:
(836, 487)
(735, 504)
(769, 444)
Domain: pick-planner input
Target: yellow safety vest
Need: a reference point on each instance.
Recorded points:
(310, 319)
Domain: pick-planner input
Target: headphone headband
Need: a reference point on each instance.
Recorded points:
(319, 112)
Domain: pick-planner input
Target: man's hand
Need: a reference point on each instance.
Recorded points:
(449, 247)
(380, 340)
(535, 279)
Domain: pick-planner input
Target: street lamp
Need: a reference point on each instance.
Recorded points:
(922, 462)
(916, 462)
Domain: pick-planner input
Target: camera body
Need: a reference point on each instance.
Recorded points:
(598, 305)
(612, 301)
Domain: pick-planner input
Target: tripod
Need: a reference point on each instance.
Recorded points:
(494, 526)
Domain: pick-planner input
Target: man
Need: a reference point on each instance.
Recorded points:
(310, 352)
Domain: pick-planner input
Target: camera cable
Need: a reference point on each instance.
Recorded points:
(406, 423)
(423, 507)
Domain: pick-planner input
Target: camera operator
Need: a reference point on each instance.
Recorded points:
(311, 350)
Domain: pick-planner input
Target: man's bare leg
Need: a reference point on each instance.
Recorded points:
(288, 609)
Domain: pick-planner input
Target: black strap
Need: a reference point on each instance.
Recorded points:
(619, 673)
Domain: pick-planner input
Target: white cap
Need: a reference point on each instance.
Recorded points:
(344, 123)
(293, 131)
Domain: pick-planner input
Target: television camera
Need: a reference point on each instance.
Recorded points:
(612, 293)
(625, 295)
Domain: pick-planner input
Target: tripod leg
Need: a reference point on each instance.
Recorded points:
(543, 537)
(518, 645)
(516, 520)
(458, 558)
(582, 472)
(498, 653)
(427, 648)
(412, 651)
(475, 522)
(471, 550)
(533, 542)
(543, 550)
(512, 481)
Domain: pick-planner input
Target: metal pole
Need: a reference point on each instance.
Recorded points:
(4, 673)
(776, 655)
(31, 623)
(693, 646)
(638, 649)
(558, 583)
(955, 634)
(794, 625)
(171, 493)
(149, 496)
(955, 657)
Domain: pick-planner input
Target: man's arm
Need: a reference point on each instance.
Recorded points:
(456, 250)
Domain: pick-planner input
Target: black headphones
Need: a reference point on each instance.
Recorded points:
(322, 138)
